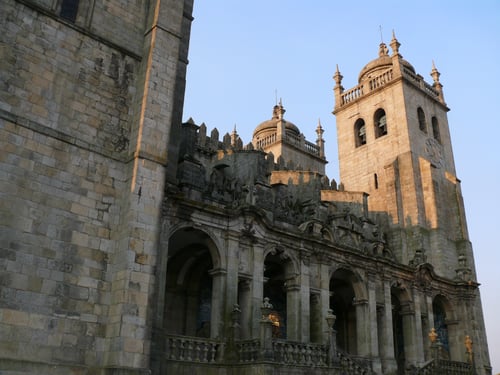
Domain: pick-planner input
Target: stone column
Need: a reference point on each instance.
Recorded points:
(419, 344)
(387, 348)
(293, 310)
(373, 327)
(218, 287)
(257, 289)
(305, 303)
(324, 300)
(266, 331)
(245, 298)
(332, 340)
(409, 333)
(231, 290)
(362, 328)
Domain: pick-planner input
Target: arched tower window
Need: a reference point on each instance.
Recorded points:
(421, 120)
(360, 132)
(435, 129)
(380, 121)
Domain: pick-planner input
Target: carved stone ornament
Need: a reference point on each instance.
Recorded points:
(434, 151)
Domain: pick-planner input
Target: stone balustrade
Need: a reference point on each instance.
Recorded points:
(248, 350)
(381, 80)
(266, 141)
(193, 349)
(351, 95)
(444, 367)
(293, 353)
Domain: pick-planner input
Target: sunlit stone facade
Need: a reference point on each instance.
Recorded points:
(133, 243)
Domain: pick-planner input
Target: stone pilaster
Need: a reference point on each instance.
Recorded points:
(218, 302)
(373, 328)
(257, 288)
(387, 341)
(363, 325)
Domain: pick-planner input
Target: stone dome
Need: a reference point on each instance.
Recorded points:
(271, 126)
(380, 64)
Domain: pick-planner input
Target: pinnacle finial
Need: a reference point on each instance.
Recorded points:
(435, 73)
(395, 44)
(337, 76)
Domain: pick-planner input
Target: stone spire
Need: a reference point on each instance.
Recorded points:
(396, 56)
(278, 113)
(320, 141)
(395, 44)
(437, 85)
(338, 89)
(234, 137)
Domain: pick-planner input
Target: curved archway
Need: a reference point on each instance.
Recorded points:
(188, 309)
(380, 121)
(402, 324)
(346, 295)
(279, 286)
(444, 323)
(359, 133)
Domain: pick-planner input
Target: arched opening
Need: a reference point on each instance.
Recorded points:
(441, 324)
(380, 121)
(398, 333)
(275, 290)
(342, 298)
(422, 124)
(435, 129)
(360, 132)
(188, 288)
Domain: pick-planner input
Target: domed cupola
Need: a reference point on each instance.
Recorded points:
(383, 63)
(269, 127)
(288, 145)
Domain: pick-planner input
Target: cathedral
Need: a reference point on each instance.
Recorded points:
(133, 243)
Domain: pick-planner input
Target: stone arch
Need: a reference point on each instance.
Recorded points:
(348, 300)
(402, 324)
(212, 240)
(190, 307)
(445, 324)
(280, 286)
(380, 122)
(359, 132)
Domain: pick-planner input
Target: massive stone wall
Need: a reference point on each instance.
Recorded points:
(80, 197)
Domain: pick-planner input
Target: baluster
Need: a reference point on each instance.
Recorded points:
(181, 349)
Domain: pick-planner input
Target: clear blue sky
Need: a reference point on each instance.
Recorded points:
(242, 52)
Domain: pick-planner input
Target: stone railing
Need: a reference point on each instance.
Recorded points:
(266, 141)
(193, 349)
(209, 351)
(354, 366)
(417, 80)
(293, 353)
(444, 367)
(248, 350)
(351, 95)
(301, 143)
(380, 80)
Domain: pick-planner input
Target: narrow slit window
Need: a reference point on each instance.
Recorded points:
(421, 120)
(435, 129)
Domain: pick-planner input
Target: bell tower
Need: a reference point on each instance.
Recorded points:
(394, 144)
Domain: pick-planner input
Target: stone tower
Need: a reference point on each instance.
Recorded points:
(133, 244)
(394, 144)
